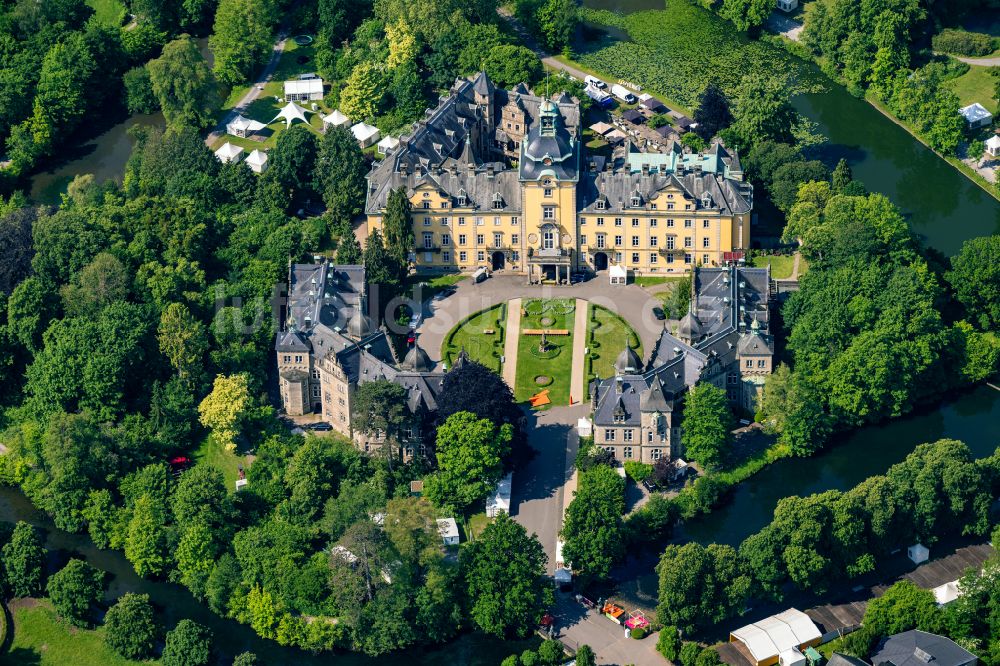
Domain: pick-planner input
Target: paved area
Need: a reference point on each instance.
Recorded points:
(577, 625)
(512, 335)
(539, 488)
(252, 94)
(633, 303)
(781, 24)
(577, 389)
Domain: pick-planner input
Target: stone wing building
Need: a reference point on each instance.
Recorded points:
(327, 347)
(501, 178)
(724, 339)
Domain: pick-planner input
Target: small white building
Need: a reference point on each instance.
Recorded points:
(993, 146)
(335, 119)
(976, 115)
(618, 274)
(499, 501)
(229, 153)
(302, 90)
(257, 161)
(243, 127)
(365, 134)
(780, 638)
(387, 145)
(787, 5)
(448, 529)
(918, 553)
(947, 593)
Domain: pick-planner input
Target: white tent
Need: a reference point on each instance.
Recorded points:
(618, 274)
(993, 145)
(918, 553)
(242, 126)
(335, 119)
(777, 634)
(387, 145)
(365, 134)
(257, 160)
(229, 153)
(290, 112)
(301, 90)
(976, 115)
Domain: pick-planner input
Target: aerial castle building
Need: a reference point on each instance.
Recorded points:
(500, 178)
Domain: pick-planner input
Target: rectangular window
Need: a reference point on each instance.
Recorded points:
(635, 241)
(480, 256)
(656, 454)
(670, 223)
(705, 224)
(652, 223)
(618, 257)
(428, 257)
(425, 204)
(515, 255)
(600, 241)
(286, 358)
(670, 242)
(635, 257)
(652, 206)
(548, 213)
(548, 192)
(445, 239)
(609, 435)
(627, 453)
(618, 240)
(461, 221)
(515, 239)
(626, 435)
(427, 221)
(670, 257)
(652, 241)
(479, 221)
(635, 221)
(298, 358)
(670, 206)
(515, 220)
(704, 260)
(762, 363)
(652, 257)
(444, 204)
(446, 256)
(480, 239)
(497, 240)
(749, 363)
(583, 239)
(687, 224)
(705, 243)
(428, 240)
(462, 256)
(688, 242)
(461, 239)
(548, 240)
(618, 221)
(444, 221)
(315, 391)
(600, 221)
(687, 258)
(315, 374)
(496, 221)
(583, 221)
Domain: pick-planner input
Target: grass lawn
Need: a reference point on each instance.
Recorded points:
(432, 284)
(976, 85)
(557, 363)
(108, 12)
(266, 107)
(212, 453)
(42, 639)
(650, 280)
(781, 265)
(607, 336)
(475, 525)
(486, 348)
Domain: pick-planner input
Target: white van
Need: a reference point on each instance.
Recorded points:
(594, 81)
(480, 274)
(624, 94)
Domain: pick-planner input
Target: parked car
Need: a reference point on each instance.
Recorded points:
(444, 293)
(594, 81)
(659, 313)
(578, 277)
(320, 425)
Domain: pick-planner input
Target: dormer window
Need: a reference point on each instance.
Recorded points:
(497, 201)
(706, 200)
(619, 416)
(601, 204)
(463, 199)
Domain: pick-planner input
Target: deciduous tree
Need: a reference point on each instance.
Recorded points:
(707, 424)
(184, 84)
(340, 175)
(188, 644)
(224, 410)
(24, 561)
(129, 628)
(241, 38)
(74, 589)
(470, 453)
(975, 277)
(592, 530)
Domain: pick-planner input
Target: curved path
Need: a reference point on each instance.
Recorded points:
(985, 62)
(633, 303)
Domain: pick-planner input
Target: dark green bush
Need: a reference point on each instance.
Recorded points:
(963, 43)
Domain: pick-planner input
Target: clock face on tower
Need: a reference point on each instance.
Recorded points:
(547, 161)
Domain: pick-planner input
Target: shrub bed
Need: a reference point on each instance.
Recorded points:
(960, 42)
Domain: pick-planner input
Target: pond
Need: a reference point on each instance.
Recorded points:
(175, 603)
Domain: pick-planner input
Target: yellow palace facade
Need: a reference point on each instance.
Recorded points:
(501, 179)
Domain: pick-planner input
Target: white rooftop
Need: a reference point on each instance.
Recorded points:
(363, 131)
(229, 153)
(388, 143)
(336, 118)
(447, 528)
(290, 112)
(947, 593)
(244, 124)
(257, 158)
(303, 86)
(975, 112)
(773, 635)
(993, 143)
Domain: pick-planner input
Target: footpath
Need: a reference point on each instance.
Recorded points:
(511, 337)
(577, 383)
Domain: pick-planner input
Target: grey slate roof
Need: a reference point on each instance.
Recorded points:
(838, 659)
(720, 317)
(919, 648)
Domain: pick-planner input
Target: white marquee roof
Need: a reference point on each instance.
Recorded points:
(975, 112)
(993, 142)
(243, 123)
(447, 528)
(257, 157)
(336, 119)
(364, 131)
(388, 143)
(304, 86)
(290, 112)
(229, 152)
(773, 635)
